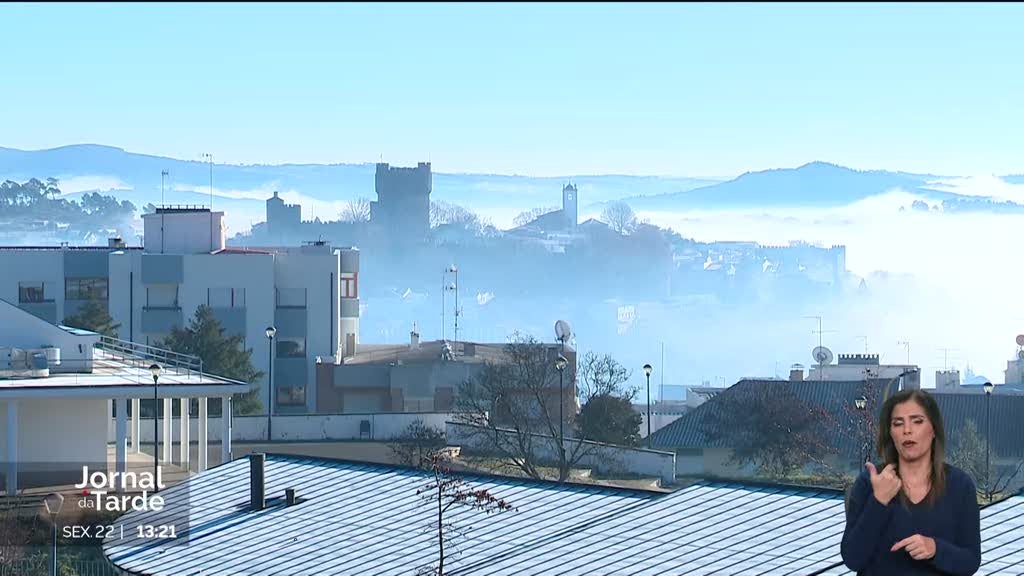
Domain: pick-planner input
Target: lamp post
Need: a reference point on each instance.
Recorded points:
(862, 405)
(560, 365)
(988, 433)
(647, 372)
(155, 369)
(53, 503)
(271, 332)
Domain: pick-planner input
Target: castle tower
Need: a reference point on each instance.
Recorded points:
(570, 206)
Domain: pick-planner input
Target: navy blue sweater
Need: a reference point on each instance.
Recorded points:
(953, 521)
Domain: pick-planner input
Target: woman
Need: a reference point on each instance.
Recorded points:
(918, 515)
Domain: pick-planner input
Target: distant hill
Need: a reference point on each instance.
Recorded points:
(817, 184)
(137, 177)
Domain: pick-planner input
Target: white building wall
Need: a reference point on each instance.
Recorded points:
(59, 430)
(33, 266)
(317, 269)
(183, 232)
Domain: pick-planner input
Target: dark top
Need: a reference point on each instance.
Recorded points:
(953, 521)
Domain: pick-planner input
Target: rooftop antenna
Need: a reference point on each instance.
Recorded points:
(945, 357)
(163, 174)
(905, 344)
(865, 338)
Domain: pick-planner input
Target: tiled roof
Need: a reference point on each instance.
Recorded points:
(1007, 413)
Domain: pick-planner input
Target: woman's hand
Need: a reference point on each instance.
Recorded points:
(886, 484)
(919, 547)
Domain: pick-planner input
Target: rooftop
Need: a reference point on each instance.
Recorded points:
(358, 518)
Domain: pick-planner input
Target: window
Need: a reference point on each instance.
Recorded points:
(291, 347)
(225, 297)
(349, 288)
(29, 292)
(291, 297)
(162, 296)
(291, 396)
(85, 288)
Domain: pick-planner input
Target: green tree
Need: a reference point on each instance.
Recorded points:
(606, 413)
(221, 355)
(94, 316)
(610, 419)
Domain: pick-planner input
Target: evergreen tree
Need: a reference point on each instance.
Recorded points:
(93, 316)
(221, 355)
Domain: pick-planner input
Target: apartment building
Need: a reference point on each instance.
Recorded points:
(308, 293)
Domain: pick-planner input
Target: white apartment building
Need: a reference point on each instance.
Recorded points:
(308, 293)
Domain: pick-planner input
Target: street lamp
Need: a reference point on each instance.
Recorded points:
(560, 365)
(155, 369)
(271, 332)
(988, 434)
(53, 503)
(647, 372)
(862, 405)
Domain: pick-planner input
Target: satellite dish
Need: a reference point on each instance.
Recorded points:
(563, 332)
(822, 355)
(1020, 339)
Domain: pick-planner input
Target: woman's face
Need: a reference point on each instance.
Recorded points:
(911, 431)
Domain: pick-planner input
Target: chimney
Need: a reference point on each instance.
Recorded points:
(414, 338)
(257, 488)
(796, 373)
(289, 496)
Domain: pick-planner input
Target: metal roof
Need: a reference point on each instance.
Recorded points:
(360, 518)
(1002, 540)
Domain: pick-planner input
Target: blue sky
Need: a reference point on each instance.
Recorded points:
(688, 90)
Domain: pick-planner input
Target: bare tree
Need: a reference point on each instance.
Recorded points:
(524, 218)
(619, 216)
(968, 453)
(442, 212)
(357, 210)
(417, 445)
(447, 490)
(511, 408)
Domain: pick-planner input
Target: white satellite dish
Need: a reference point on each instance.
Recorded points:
(822, 355)
(563, 332)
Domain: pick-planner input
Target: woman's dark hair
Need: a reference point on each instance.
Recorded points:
(887, 448)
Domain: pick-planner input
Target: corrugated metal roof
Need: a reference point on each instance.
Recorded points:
(1002, 541)
(367, 519)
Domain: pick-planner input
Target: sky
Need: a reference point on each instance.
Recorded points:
(710, 90)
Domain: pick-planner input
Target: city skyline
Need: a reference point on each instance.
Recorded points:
(544, 90)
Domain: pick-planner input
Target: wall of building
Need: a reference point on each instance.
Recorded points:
(309, 427)
(26, 331)
(316, 271)
(56, 436)
(46, 266)
(605, 458)
(183, 232)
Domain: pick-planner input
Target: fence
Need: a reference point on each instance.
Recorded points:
(41, 565)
